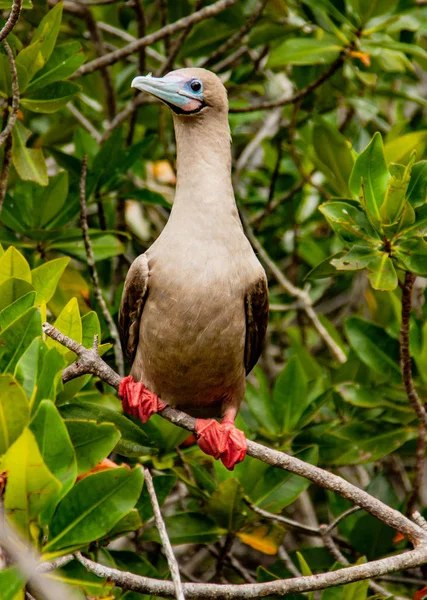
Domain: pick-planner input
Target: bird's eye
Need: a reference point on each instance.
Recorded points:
(196, 86)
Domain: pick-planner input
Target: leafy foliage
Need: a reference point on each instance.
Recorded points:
(334, 185)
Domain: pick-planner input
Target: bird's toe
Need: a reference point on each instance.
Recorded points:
(221, 440)
(137, 400)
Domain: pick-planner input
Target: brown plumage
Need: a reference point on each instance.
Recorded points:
(194, 309)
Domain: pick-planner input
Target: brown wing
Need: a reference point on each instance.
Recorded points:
(256, 309)
(133, 299)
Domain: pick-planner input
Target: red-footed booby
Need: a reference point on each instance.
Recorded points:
(194, 308)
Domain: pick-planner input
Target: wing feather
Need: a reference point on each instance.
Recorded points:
(256, 310)
(134, 295)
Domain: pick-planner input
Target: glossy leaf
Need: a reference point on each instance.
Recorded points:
(382, 273)
(16, 338)
(30, 484)
(14, 411)
(75, 574)
(15, 308)
(92, 442)
(374, 347)
(226, 505)
(11, 582)
(64, 61)
(370, 176)
(51, 97)
(46, 277)
(134, 442)
(29, 162)
(290, 395)
(12, 290)
(93, 506)
(417, 189)
(56, 449)
(349, 222)
(400, 149)
(13, 264)
(187, 528)
(334, 155)
(305, 51)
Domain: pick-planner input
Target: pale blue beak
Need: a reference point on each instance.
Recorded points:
(170, 89)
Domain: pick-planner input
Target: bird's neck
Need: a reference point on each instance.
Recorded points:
(203, 166)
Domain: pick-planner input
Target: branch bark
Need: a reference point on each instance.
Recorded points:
(111, 58)
(90, 362)
(170, 556)
(15, 96)
(12, 19)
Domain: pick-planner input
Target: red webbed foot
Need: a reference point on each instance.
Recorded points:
(221, 440)
(137, 400)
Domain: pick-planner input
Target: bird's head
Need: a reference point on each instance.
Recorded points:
(187, 92)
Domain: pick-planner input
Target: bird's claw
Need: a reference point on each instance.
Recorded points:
(137, 400)
(221, 440)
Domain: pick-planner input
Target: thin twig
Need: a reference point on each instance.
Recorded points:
(337, 64)
(12, 19)
(295, 292)
(94, 273)
(284, 556)
(132, 105)
(84, 122)
(235, 38)
(176, 46)
(15, 95)
(405, 353)
(90, 362)
(111, 58)
(341, 517)
(285, 520)
(4, 175)
(173, 565)
(256, 219)
(419, 469)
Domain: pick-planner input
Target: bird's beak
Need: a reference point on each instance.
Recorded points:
(171, 90)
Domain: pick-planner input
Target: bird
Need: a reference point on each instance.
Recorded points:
(194, 308)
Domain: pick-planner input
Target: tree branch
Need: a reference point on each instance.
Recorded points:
(15, 96)
(211, 591)
(405, 353)
(109, 59)
(173, 565)
(337, 64)
(234, 39)
(90, 362)
(94, 273)
(12, 19)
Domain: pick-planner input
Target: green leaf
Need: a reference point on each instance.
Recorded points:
(16, 338)
(69, 323)
(92, 507)
(56, 449)
(29, 162)
(394, 200)
(13, 264)
(305, 51)
(92, 442)
(30, 485)
(370, 176)
(64, 61)
(349, 223)
(412, 254)
(382, 273)
(290, 397)
(134, 441)
(51, 97)
(46, 277)
(147, 196)
(14, 411)
(186, 528)
(400, 149)
(226, 505)
(11, 580)
(417, 188)
(130, 522)
(32, 58)
(356, 259)
(30, 364)
(16, 308)
(76, 575)
(334, 155)
(12, 290)
(374, 347)
(105, 246)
